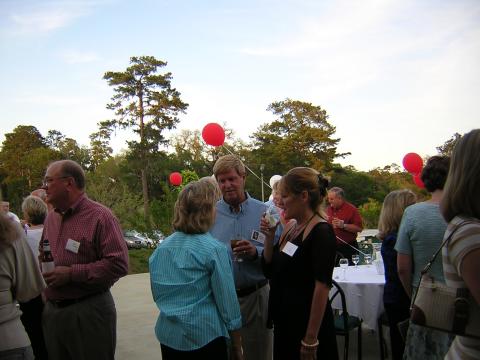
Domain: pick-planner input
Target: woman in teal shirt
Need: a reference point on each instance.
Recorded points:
(420, 235)
(192, 283)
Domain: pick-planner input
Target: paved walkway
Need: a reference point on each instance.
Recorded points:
(137, 314)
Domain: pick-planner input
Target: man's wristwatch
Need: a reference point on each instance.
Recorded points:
(344, 225)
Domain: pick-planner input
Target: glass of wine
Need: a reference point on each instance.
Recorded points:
(368, 259)
(355, 260)
(233, 244)
(344, 265)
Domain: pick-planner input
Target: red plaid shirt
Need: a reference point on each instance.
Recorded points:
(102, 257)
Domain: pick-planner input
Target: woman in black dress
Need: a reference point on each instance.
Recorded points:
(300, 268)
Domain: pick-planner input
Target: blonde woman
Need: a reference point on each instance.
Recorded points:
(192, 283)
(460, 206)
(300, 268)
(34, 213)
(395, 299)
(20, 280)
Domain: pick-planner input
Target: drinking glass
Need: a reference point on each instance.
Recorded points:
(233, 244)
(355, 260)
(368, 259)
(344, 265)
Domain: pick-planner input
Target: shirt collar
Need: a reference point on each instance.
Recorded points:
(243, 206)
(73, 207)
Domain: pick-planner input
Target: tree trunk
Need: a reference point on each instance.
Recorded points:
(146, 208)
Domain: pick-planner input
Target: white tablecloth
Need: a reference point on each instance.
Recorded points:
(363, 288)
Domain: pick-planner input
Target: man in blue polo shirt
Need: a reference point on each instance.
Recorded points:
(238, 218)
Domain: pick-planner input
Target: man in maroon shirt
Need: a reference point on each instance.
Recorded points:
(90, 255)
(346, 221)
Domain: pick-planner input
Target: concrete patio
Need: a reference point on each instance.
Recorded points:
(137, 314)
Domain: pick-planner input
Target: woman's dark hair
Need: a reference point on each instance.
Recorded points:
(435, 172)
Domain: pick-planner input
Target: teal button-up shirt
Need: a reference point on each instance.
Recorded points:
(192, 285)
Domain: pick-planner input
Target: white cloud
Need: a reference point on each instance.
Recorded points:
(78, 57)
(34, 17)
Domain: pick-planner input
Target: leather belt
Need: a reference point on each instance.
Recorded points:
(251, 289)
(68, 302)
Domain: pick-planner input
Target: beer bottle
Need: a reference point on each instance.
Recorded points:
(47, 257)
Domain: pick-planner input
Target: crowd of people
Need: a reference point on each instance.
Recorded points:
(229, 282)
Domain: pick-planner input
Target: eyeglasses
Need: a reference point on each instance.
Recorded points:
(47, 181)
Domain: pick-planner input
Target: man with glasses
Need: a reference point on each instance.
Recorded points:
(90, 255)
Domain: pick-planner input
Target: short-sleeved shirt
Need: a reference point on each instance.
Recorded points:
(292, 278)
(230, 225)
(192, 285)
(465, 240)
(350, 215)
(419, 236)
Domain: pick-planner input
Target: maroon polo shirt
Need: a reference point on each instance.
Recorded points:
(350, 215)
(102, 257)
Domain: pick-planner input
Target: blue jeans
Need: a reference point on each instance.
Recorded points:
(24, 353)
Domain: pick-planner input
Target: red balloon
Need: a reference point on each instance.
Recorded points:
(175, 178)
(413, 163)
(213, 134)
(418, 181)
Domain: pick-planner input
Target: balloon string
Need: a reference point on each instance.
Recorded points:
(353, 247)
(258, 177)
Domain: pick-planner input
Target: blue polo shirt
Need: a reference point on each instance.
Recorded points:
(229, 225)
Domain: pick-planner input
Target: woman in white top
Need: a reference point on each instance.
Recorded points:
(460, 206)
(34, 212)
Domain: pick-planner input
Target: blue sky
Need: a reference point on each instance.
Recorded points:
(394, 76)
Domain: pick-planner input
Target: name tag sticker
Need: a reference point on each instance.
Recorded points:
(258, 236)
(72, 246)
(289, 249)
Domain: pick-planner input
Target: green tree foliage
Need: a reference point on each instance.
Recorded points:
(299, 136)
(449, 145)
(370, 212)
(191, 153)
(108, 186)
(145, 102)
(100, 149)
(68, 148)
(23, 159)
(358, 186)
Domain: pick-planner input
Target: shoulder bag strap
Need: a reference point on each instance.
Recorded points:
(429, 264)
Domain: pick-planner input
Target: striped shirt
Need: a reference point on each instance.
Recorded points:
(465, 240)
(192, 285)
(102, 257)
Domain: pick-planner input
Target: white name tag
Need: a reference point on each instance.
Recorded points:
(289, 248)
(258, 236)
(72, 246)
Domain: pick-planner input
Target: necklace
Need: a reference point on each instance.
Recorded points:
(294, 231)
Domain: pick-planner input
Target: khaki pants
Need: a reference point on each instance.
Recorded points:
(82, 331)
(257, 338)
